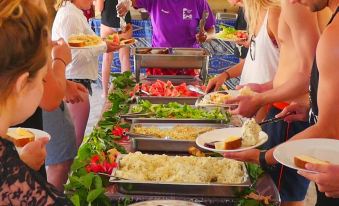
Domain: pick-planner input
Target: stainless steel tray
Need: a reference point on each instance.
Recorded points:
(175, 79)
(131, 116)
(165, 100)
(155, 144)
(182, 58)
(133, 187)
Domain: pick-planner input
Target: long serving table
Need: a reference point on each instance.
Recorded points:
(264, 186)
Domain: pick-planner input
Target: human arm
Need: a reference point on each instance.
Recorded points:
(55, 79)
(219, 80)
(99, 5)
(74, 92)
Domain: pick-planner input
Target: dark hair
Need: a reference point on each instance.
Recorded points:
(24, 42)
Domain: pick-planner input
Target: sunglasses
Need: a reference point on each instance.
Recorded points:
(252, 47)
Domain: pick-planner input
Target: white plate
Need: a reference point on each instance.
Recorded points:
(222, 134)
(166, 203)
(323, 149)
(233, 93)
(38, 134)
(101, 44)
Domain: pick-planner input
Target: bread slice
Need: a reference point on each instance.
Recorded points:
(301, 160)
(20, 137)
(232, 142)
(76, 43)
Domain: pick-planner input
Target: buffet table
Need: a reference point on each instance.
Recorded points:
(264, 186)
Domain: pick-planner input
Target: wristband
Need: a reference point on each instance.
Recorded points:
(57, 58)
(262, 160)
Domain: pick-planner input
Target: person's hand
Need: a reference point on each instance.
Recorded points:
(327, 178)
(216, 82)
(61, 50)
(112, 46)
(294, 112)
(127, 34)
(253, 86)
(33, 154)
(201, 37)
(74, 92)
(247, 105)
(251, 155)
(123, 7)
(243, 42)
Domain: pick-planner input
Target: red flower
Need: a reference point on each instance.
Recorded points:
(120, 132)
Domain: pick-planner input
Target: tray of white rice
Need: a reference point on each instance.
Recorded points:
(139, 173)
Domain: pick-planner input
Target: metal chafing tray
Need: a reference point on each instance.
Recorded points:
(133, 187)
(155, 144)
(132, 116)
(182, 58)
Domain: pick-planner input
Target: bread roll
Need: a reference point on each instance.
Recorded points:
(230, 143)
(20, 137)
(301, 160)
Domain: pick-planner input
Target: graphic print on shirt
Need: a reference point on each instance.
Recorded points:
(165, 11)
(187, 14)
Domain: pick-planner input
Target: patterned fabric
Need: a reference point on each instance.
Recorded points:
(20, 185)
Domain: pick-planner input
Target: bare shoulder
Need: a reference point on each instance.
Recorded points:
(328, 46)
(296, 13)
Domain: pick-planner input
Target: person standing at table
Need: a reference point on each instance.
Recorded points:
(262, 59)
(110, 23)
(83, 68)
(175, 24)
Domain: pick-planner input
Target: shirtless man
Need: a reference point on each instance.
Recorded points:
(298, 35)
(324, 102)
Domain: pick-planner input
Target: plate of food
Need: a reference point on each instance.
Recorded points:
(83, 41)
(22, 136)
(218, 98)
(295, 154)
(231, 34)
(233, 139)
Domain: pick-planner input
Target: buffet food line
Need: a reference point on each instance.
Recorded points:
(145, 151)
(166, 114)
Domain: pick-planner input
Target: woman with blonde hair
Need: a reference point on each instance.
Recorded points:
(261, 62)
(24, 34)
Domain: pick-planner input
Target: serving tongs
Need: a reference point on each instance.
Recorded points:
(202, 21)
(275, 119)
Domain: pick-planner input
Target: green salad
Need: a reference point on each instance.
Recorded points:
(179, 111)
(227, 32)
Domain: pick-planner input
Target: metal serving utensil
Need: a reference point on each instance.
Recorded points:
(196, 89)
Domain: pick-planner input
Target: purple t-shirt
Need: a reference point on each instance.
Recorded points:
(175, 22)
